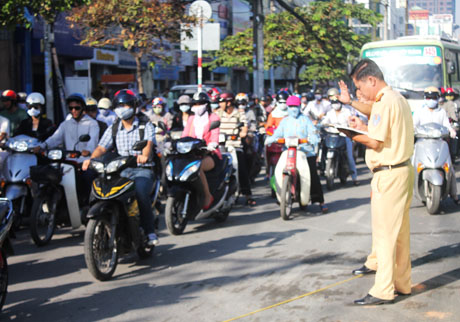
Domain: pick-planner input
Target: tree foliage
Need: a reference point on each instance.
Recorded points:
(142, 27)
(13, 12)
(324, 48)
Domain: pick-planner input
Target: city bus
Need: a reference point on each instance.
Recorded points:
(412, 63)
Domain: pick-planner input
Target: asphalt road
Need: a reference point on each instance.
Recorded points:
(253, 267)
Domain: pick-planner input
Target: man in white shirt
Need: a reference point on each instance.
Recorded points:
(318, 108)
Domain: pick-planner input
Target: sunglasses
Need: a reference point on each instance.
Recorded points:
(74, 107)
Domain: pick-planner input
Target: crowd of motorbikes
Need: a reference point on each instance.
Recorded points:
(40, 190)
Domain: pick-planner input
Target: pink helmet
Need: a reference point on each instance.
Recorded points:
(293, 101)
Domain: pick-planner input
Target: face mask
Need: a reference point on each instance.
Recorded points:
(318, 97)
(293, 112)
(242, 107)
(184, 108)
(304, 101)
(157, 110)
(449, 98)
(431, 103)
(282, 106)
(214, 105)
(124, 113)
(104, 111)
(199, 109)
(34, 112)
(336, 106)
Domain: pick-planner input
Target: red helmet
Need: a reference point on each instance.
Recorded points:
(214, 94)
(9, 95)
(226, 97)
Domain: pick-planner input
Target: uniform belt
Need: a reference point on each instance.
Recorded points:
(389, 167)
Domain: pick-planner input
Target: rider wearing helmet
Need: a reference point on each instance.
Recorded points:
(198, 127)
(185, 110)
(22, 101)
(11, 110)
(214, 97)
(279, 112)
(318, 108)
(92, 111)
(449, 105)
(128, 130)
(266, 104)
(105, 112)
(298, 125)
(36, 125)
(160, 113)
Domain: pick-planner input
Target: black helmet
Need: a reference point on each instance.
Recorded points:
(125, 97)
(266, 98)
(310, 96)
(76, 97)
(282, 96)
(200, 98)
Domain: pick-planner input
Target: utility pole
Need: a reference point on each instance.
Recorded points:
(385, 19)
(258, 47)
(48, 72)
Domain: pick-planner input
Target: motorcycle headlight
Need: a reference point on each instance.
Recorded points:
(189, 170)
(97, 166)
(114, 165)
(184, 147)
(55, 154)
(19, 146)
(168, 171)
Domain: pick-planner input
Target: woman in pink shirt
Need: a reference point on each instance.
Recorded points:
(198, 127)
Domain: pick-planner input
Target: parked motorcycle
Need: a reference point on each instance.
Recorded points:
(185, 190)
(114, 221)
(433, 165)
(6, 221)
(292, 175)
(16, 184)
(336, 161)
(55, 194)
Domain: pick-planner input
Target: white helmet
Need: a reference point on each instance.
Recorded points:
(104, 103)
(35, 98)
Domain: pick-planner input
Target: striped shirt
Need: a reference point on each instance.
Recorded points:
(228, 123)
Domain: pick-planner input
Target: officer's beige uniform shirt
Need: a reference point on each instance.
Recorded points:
(391, 123)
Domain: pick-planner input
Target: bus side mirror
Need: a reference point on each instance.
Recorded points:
(450, 67)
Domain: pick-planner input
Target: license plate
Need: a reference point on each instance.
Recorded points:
(330, 154)
(221, 138)
(292, 142)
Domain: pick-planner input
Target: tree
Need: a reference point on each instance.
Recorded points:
(17, 12)
(142, 27)
(324, 48)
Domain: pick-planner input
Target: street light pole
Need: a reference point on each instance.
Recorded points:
(200, 50)
(258, 49)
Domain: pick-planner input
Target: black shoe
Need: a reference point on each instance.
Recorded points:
(402, 294)
(363, 270)
(370, 300)
(356, 183)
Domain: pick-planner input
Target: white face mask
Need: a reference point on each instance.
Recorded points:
(104, 111)
(431, 103)
(124, 113)
(184, 108)
(214, 106)
(336, 106)
(242, 107)
(34, 112)
(199, 109)
(318, 97)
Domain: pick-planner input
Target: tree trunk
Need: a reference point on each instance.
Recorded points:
(140, 84)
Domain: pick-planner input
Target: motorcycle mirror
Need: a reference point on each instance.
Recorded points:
(162, 126)
(139, 145)
(214, 125)
(84, 138)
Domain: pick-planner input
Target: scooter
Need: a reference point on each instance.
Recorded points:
(185, 190)
(336, 157)
(433, 167)
(272, 155)
(292, 177)
(6, 221)
(114, 221)
(55, 194)
(16, 184)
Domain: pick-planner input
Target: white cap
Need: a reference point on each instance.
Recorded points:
(104, 103)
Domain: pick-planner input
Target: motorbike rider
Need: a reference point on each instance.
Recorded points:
(266, 104)
(339, 116)
(430, 112)
(105, 113)
(279, 112)
(299, 125)
(449, 105)
(182, 116)
(92, 111)
(230, 116)
(318, 108)
(36, 125)
(128, 132)
(198, 127)
(22, 101)
(11, 110)
(214, 98)
(159, 112)
(68, 134)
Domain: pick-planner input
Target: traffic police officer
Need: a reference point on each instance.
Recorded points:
(390, 144)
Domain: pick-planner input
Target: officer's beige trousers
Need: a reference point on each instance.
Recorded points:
(391, 198)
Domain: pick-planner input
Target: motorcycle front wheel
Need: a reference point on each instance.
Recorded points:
(286, 199)
(173, 217)
(3, 278)
(433, 198)
(329, 172)
(42, 221)
(100, 256)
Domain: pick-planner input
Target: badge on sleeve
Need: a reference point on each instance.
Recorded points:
(376, 119)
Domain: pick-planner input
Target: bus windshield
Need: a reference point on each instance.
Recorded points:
(410, 68)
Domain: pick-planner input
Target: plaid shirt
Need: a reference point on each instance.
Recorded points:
(125, 139)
